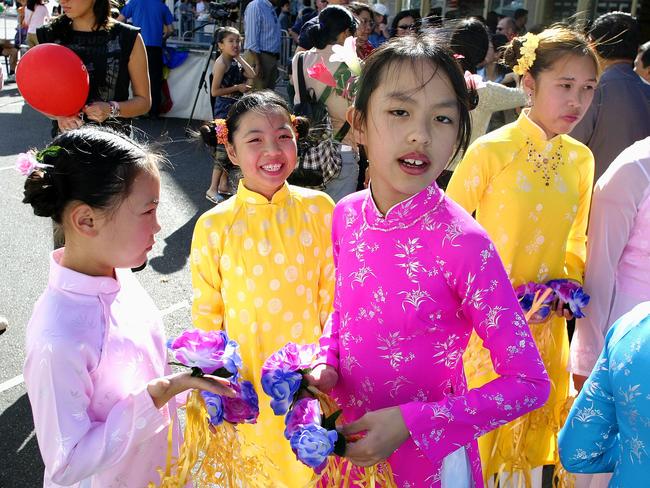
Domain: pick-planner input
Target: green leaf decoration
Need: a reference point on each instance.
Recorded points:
(48, 151)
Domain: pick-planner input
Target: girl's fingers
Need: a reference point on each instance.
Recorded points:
(213, 384)
(359, 454)
(354, 427)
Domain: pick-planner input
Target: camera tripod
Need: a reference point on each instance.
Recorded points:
(202, 82)
(213, 47)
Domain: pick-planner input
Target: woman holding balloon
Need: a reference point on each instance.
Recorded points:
(115, 58)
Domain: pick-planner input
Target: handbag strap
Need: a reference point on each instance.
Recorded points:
(302, 86)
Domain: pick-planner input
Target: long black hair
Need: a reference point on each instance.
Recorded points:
(410, 50)
(62, 25)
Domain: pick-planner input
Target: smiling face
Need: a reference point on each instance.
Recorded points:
(410, 130)
(561, 95)
(264, 147)
(230, 45)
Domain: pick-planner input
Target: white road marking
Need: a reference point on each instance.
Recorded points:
(18, 380)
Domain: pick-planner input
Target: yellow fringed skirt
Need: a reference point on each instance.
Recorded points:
(531, 440)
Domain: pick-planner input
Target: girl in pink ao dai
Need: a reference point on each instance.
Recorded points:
(415, 276)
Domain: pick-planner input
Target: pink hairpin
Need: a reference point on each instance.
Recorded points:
(27, 163)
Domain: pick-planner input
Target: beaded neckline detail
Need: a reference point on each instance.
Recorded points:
(545, 163)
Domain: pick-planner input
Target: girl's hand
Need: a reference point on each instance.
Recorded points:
(323, 377)
(164, 389)
(385, 432)
(561, 311)
(98, 111)
(243, 87)
(69, 123)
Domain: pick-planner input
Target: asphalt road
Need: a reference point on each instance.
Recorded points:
(25, 241)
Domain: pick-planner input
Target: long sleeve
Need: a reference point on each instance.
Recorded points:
(614, 208)
(471, 178)
(589, 440)
(499, 97)
(329, 340)
(207, 302)
(327, 273)
(576, 250)
(252, 19)
(487, 301)
(73, 444)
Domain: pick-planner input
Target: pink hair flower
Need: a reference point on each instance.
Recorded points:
(320, 72)
(27, 163)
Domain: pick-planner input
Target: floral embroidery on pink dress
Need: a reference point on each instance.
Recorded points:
(410, 288)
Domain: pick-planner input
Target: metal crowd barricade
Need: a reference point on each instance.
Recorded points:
(286, 54)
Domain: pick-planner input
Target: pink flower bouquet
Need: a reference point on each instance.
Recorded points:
(206, 352)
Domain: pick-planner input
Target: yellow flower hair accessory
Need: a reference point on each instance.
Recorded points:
(221, 129)
(294, 123)
(530, 43)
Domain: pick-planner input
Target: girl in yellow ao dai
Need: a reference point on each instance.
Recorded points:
(530, 185)
(262, 264)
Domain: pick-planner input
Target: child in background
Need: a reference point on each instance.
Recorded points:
(415, 276)
(229, 81)
(96, 368)
(530, 185)
(284, 17)
(261, 261)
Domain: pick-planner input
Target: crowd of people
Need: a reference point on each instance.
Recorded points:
(405, 264)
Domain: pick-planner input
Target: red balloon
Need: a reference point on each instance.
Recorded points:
(53, 80)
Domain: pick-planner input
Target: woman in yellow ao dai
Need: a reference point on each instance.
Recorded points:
(532, 195)
(263, 271)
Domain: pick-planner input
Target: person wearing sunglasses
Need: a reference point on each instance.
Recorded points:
(405, 23)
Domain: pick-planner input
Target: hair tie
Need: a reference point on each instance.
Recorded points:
(221, 130)
(530, 42)
(30, 161)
